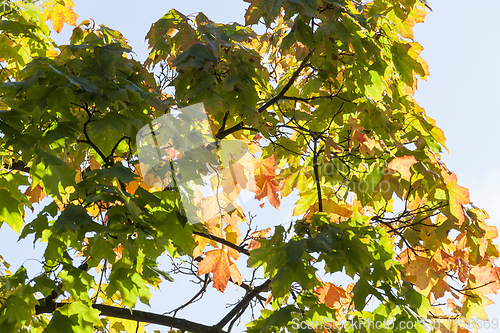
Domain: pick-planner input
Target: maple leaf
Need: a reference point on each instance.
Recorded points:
(419, 270)
(235, 274)
(366, 144)
(35, 194)
(94, 165)
(353, 123)
(132, 186)
(61, 12)
(233, 236)
(331, 145)
(485, 279)
(217, 263)
(440, 287)
(402, 165)
(406, 28)
(211, 209)
(266, 182)
(458, 196)
(259, 234)
(254, 243)
(331, 295)
(442, 261)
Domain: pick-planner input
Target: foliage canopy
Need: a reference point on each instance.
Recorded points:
(323, 99)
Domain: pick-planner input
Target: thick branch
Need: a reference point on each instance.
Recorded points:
(87, 138)
(223, 241)
(243, 303)
(18, 165)
(290, 82)
(310, 99)
(225, 132)
(109, 159)
(140, 316)
(316, 176)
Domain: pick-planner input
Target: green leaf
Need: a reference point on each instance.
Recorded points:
(76, 317)
(11, 211)
(14, 313)
(195, 56)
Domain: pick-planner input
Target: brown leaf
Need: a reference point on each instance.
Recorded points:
(94, 165)
(35, 194)
(440, 287)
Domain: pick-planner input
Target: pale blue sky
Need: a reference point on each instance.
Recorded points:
(461, 45)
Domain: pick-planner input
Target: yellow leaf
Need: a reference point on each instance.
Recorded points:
(458, 196)
(61, 12)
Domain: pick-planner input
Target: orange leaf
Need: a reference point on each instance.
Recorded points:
(442, 261)
(331, 295)
(217, 263)
(458, 196)
(440, 288)
(418, 269)
(485, 279)
(415, 16)
(267, 184)
(402, 165)
(132, 186)
(94, 165)
(353, 123)
(269, 189)
(235, 274)
(35, 194)
(260, 233)
(253, 244)
(211, 208)
(491, 231)
(61, 12)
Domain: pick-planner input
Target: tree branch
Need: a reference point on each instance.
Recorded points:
(87, 138)
(225, 132)
(109, 159)
(223, 241)
(243, 303)
(316, 176)
(140, 316)
(18, 165)
(290, 82)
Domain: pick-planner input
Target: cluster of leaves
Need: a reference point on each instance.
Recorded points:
(324, 98)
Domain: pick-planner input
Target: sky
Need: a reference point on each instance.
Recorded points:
(461, 45)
